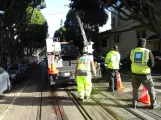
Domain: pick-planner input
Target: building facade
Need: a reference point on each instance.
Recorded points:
(125, 35)
(105, 42)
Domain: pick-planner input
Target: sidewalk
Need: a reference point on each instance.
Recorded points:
(126, 91)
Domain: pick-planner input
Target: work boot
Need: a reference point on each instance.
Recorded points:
(155, 105)
(115, 88)
(110, 89)
(80, 99)
(86, 97)
(134, 104)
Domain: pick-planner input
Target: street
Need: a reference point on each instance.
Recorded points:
(50, 50)
(34, 99)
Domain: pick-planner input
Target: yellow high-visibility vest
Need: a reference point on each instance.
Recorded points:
(83, 63)
(113, 59)
(139, 58)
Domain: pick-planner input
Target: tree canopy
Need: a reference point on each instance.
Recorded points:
(71, 29)
(36, 28)
(147, 12)
(22, 27)
(90, 11)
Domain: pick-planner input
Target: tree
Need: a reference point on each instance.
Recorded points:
(147, 12)
(90, 24)
(34, 32)
(93, 15)
(61, 34)
(14, 19)
(90, 11)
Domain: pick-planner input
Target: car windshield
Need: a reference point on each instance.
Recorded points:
(69, 51)
(101, 60)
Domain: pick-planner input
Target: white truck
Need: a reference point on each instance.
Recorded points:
(62, 60)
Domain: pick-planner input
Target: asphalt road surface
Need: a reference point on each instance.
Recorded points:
(35, 99)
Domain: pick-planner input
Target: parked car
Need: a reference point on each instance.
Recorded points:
(125, 63)
(17, 72)
(101, 61)
(4, 81)
(157, 59)
(157, 56)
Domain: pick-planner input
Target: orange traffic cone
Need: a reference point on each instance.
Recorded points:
(52, 68)
(145, 97)
(119, 83)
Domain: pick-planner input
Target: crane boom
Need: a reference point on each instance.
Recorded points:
(82, 30)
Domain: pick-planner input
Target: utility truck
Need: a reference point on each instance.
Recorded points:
(62, 58)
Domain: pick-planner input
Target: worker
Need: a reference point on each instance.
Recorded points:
(83, 75)
(113, 60)
(141, 63)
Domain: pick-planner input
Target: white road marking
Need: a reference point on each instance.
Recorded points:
(2, 116)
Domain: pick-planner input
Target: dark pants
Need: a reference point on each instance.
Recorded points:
(147, 81)
(112, 78)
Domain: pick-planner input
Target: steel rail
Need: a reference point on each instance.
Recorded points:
(61, 115)
(132, 110)
(58, 109)
(146, 110)
(78, 105)
(39, 87)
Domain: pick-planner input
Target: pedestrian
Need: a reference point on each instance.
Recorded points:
(83, 75)
(141, 63)
(113, 60)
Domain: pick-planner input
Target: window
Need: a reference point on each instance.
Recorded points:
(103, 42)
(116, 39)
(156, 47)
(113, 22)
(141, 34)
(118, 20)
(144, 33)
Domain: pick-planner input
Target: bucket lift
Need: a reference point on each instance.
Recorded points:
(88, 45)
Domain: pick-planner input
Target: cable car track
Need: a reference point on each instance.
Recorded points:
(140, 113)
(81, 109)
(61, 115)
(146, 110)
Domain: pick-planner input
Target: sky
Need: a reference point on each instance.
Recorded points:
(56, 11)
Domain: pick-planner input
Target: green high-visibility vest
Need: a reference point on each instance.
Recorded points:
(139, 58)
(113, 59)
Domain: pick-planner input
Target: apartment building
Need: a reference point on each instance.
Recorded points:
(105, 42)
(125, 34)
